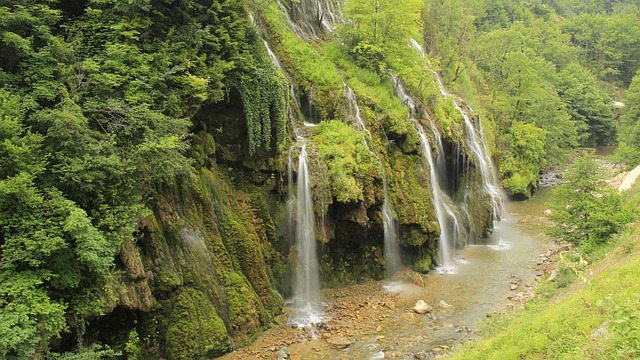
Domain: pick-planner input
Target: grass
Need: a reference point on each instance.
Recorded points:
(597, 316)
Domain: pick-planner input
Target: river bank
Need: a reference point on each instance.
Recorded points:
(375, 320)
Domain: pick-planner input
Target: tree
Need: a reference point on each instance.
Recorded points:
(610, 45)
(589, 105)
(585, 211)
(521, 164)
(629, 134)
(378, 28)
(448, 32)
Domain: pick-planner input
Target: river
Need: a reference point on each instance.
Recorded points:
(375, 319)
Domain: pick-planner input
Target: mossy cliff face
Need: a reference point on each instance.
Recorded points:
(214, 260)
(212, 253)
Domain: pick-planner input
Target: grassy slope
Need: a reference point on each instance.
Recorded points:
(597, 317)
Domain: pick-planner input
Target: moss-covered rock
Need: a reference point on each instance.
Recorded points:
(423, 265)
(195, 330)
(411, 194)
(353, 168)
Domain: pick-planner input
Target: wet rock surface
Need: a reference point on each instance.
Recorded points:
(550, 178)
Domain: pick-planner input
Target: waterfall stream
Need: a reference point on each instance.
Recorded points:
(308, 19)
(307, 280)
(475, 141)
(392, 259)
(446, 215)
(273, 56)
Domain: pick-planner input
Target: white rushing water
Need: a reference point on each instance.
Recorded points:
(308, 19)
(475, 141)
(447, 217)
(392, 259)
(273, 56)
(354, 110)
(307, 282)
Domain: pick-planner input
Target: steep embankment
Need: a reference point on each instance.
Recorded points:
(595, 317)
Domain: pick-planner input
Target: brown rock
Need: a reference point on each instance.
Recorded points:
(340, 343)
(422, 307)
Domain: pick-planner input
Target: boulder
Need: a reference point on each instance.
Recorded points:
(422, 307)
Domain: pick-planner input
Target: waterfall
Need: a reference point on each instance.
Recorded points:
(446, 215)
(310, 18)
(390, 225)
(392, 260)
(273, 56)
(475, 142)
(307, 282)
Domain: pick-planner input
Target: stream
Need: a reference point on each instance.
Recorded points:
(375, 320)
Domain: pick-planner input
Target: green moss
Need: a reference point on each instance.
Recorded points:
(195, 329)
(410, 191)
(352, 165)
(450, 122)
(480, 216)
(423, 265)
(413, 236)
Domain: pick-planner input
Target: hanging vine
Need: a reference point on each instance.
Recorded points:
(265, 97)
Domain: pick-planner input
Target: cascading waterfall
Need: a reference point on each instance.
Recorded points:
(391, 246)
(476, 143)
(309, 18)
(392, 260)
(307, 282)
(354, 109)
(447, 217)
(273, 56)
(440, 160)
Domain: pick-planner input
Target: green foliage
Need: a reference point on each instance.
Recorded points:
(385, 23)
(586, 212)
(521, 164)
(29, 318)
(369, 56)
(589, 105)
(352, 165)
(132, 346)
(265, 95)
(609, 44)
(94, 121)
(629, 134)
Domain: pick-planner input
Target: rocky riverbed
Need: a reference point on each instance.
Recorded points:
(379, 319)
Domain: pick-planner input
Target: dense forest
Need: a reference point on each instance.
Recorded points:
(144, 148)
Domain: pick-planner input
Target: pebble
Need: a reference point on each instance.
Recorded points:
(283, 354)
(443, 304)
(340, 343)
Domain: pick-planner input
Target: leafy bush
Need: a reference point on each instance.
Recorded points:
(585, 211)
(369, 56)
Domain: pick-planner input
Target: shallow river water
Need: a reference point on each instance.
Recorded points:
(481, 283)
